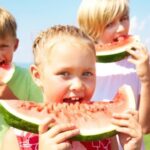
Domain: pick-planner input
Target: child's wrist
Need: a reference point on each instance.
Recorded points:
(145, 79)
(145, 83)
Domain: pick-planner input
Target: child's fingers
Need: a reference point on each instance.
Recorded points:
(57, 129)
(64, 136)
(126, 115)
(130, 132)
(120, 122)
(139, 47)
(127, 123)
(137, 52)
(45, 125)
(135, 132)
(127, 119)
(64, 146)
(134, 113)
(122, 130)
(123, 116)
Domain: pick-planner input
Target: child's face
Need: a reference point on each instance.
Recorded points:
(8, 45)
(70, 73)
(115, 30)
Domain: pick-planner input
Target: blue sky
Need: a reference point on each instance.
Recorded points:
(32, 16)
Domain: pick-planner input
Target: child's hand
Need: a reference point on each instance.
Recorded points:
(140, 58)
(130, 131)
(57, 137)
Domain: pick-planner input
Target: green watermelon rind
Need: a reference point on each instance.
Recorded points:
(32, 125)
(119, 53)
(18, 123)
(21, 124)
(111, 57)
(100, 136)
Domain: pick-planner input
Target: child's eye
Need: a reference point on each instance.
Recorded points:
(64, 74)
(124, 18)
(109, 25)
(87, 74)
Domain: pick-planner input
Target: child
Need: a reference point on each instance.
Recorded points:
(65, 70)
(20, 84)
(106, 21)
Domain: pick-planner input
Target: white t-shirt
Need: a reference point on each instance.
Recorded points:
(111, 76)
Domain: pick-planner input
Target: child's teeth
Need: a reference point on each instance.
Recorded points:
(75, 98)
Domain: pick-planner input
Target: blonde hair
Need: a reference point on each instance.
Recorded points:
(8, 24)
(94, 15)
(46, 40)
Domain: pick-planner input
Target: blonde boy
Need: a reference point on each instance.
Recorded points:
(19, 84)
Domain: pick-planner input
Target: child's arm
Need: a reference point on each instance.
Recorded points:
(130, 132)
(57, 137)
(10, 141)
(140, 58)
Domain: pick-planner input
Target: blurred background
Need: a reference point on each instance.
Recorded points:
(33, 16)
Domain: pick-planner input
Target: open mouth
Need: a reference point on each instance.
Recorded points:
(72, 100)
(120, 38)
(2, 63)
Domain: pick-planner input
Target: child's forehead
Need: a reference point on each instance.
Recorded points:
(6, 37)
(50, 43)
(69, 48)
(70, 41)
(70, 44)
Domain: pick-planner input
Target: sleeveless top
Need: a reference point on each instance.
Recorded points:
(29, 141)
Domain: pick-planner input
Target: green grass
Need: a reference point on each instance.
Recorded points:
(147, 141)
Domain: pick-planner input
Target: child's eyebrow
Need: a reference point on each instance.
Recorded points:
(83, 68)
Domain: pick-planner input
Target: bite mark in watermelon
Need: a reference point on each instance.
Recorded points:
(93, 118)
(117, 50)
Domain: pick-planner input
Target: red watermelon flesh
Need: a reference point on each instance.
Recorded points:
(116, 50)
(93, 118)
(116, 44)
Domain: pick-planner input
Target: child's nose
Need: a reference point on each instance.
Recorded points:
(76, 84)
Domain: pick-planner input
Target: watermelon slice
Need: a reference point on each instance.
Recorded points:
(6, 72)
(93, 118)
(117, 50)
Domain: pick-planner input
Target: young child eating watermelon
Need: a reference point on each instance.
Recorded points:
(15, 81)
(64, 68)
(107, 23)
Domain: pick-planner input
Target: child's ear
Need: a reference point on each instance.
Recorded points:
(35, 75)
(16, 44)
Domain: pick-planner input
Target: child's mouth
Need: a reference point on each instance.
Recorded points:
(72, 100)
(120, 38)
(2, 63)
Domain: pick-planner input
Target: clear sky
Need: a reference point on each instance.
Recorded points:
(32, 16)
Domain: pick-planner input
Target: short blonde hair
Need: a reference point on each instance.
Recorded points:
(46, 40)
(8, 25)
(94, 15)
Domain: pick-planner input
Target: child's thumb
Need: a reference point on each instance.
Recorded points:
(46, 124)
